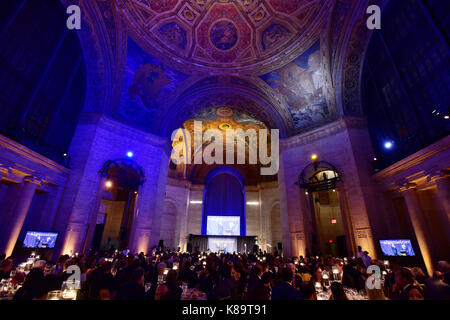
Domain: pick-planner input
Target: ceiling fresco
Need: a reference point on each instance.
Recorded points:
(217, 35)
(223, 118)
(301, 84)
(147, 84)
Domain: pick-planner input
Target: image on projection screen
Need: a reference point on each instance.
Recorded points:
(223, 226)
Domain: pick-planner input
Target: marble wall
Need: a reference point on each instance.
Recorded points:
(96, 141)
(346, 145)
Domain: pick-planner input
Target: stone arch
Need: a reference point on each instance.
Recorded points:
(234, 92)
(348, 88)
(104, 46)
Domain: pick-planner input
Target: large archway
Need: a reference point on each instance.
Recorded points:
(111, 226)
(330, 233)
(224, 204)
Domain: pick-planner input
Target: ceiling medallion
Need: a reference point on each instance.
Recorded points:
(223, 35)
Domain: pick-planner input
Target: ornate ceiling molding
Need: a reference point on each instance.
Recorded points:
(216, 91)
(103, 39)
(217, 36)
(351, 59)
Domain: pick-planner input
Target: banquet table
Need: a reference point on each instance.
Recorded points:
(351, 294)
(193, 294)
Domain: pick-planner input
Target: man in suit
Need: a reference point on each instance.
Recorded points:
(285, 290)
(256, 289)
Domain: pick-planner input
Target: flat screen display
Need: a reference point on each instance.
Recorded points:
(37, 239)
(397, 248)
(223, 226)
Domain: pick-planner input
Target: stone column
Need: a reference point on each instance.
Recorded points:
(418, 223)
(93, 216)
(443, 192)
(348, 226)
(19, 214)
(306, 215)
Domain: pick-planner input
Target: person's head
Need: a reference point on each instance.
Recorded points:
(286, 274)
(359, 248)
(308, 291)
(292, 266)
(337, 291)
(443, 266)
(172, 276)
(161, 267)
(161, 292)
(415, 293)
(35, 283)
(257, 270)
(6, 265)
(105, 294)
(318, 274)
(438, 275)
(419, 275)
(266, 278)
(403, 277)
(138, 276)
(40, 264)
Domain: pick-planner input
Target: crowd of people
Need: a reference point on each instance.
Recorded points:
(164, 274)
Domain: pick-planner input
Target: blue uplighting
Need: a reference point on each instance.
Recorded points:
(130, 154)
(388, 145)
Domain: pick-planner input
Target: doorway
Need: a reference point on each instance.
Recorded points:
(114, 218)
(329, 234)
(330, 230)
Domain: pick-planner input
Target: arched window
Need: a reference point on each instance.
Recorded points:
(224, 204)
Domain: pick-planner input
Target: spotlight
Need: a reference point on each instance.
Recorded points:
(64, 155)
(388, 145)
(375, 159)
(108, 184)
(130, 154)
(446, 117)
(314, 156)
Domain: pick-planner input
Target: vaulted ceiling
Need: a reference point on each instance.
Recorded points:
(292, 64)
(224, 35)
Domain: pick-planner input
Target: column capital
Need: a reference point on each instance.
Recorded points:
(407, 186)
(32, 179)
(438, 175)
(3, 171)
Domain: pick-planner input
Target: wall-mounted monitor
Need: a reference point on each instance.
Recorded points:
(397, 248)
(223, 226)
(38, 239)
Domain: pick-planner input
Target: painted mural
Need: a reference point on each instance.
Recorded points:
(147, 85)
(173, 35)
(224, 35)
(301, 84)
(274, 35)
